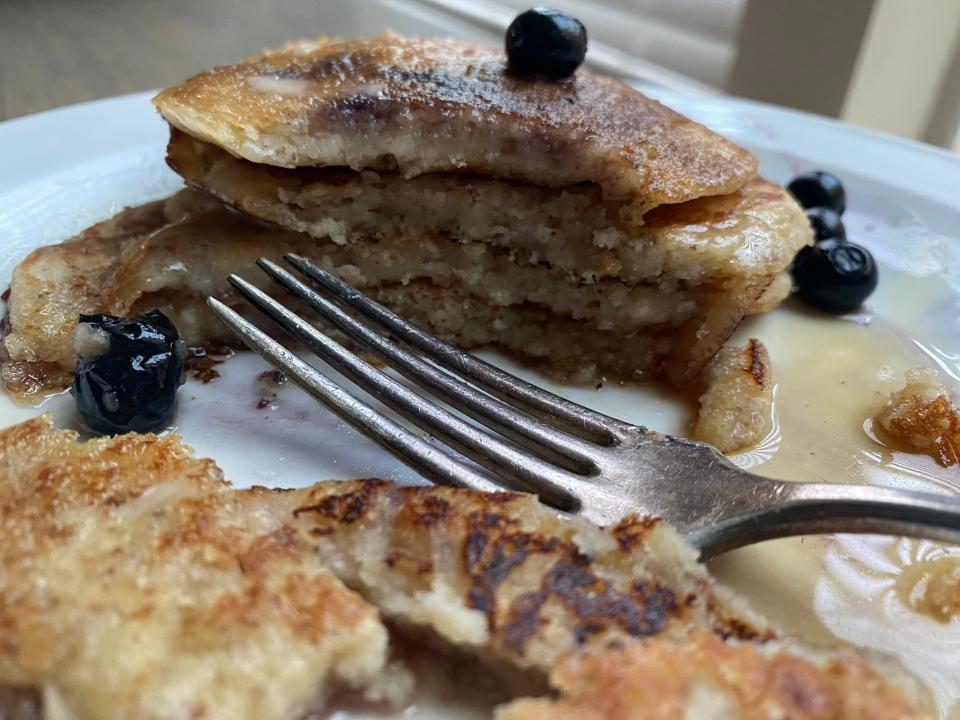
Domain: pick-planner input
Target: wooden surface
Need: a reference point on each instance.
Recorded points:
(58, 52)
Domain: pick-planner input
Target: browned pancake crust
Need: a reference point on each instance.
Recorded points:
(921, 418)
(504, 574)
(135, 583)
(434, 105)
(705, 678)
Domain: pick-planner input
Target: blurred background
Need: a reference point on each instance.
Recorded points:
(893, 65)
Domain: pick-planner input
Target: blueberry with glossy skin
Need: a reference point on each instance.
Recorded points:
(834, 277)
(128, 371)
(819, 189)
(545, 43)
(827, 224)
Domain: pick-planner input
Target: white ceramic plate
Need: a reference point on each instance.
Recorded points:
(65, 169)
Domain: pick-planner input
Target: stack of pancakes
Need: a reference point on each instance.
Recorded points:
(576, 223)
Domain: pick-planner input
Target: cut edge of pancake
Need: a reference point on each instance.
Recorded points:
(754, 231)
(125, 265)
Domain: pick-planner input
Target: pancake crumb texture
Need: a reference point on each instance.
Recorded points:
(138, 584)
(172, 254)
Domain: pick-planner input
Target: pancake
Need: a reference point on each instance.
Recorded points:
(512, 578)
(745, 236)
(578, 225)
(416, 106)
(737, 404)
(611, 221)
(172, 254)
(705, 679)
(134, 582)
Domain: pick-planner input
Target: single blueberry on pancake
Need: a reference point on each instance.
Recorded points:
(545, 43)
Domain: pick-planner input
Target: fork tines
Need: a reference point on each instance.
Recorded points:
(548, 446)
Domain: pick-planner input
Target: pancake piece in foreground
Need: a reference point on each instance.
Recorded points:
(135, 583)
(707, 679)
(511, 579)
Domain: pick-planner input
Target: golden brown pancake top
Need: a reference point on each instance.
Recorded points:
(434, 105)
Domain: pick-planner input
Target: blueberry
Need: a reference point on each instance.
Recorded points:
(834, 277)
(827, 224)
(819, 189)
(547, 43)
(128, 371)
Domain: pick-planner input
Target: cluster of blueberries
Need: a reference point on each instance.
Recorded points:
(832, 275)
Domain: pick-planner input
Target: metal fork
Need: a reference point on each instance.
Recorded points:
(578, 460)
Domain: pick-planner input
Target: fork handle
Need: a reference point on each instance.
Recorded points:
(784, 509)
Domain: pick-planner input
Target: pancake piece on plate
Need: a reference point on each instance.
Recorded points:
(416, 106)
(636, 225)
(136, 583)
(703, 678)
